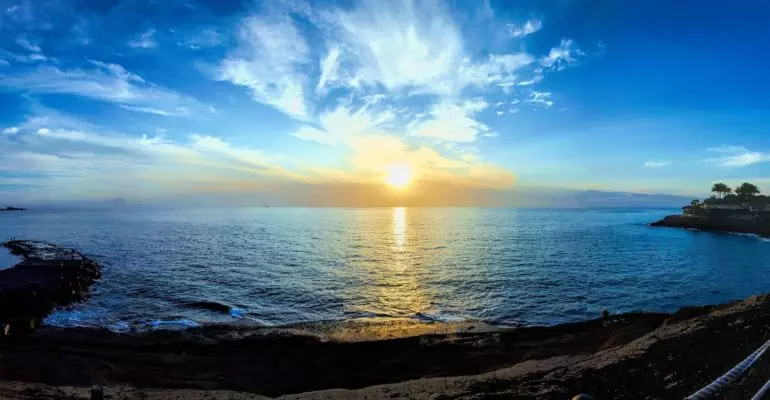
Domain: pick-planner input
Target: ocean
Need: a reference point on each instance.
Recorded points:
(274, 266)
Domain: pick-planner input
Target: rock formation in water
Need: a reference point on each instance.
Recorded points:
(759, 225)
(723, 215)
(48, 276)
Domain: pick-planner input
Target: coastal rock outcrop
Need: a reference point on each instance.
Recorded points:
(719, 222)
(48, 276)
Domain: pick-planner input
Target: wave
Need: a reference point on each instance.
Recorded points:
(366, 314)
(178, 324)
(751, 235)
(68, 319)
(80, 319)
(438, 316)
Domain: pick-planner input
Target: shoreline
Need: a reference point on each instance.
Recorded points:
(293, 360)
(623, 356)
(717, 223)
(606, 357)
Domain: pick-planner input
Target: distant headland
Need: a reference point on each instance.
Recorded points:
(743, 210)
(13, 209)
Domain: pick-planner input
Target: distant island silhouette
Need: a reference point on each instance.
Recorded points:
(13, 209)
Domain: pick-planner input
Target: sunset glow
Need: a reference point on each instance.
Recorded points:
(365, 102)
(399, 176)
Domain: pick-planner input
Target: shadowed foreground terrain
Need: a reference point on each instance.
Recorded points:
(627, 356)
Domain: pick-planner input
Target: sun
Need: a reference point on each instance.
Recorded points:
(398, 176)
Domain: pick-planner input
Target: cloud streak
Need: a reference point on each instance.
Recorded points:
(737, 156)
(656, 164)
(144, 40)
(527, 28)
(106, 82)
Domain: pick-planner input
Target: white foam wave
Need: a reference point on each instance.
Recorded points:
(438, 316)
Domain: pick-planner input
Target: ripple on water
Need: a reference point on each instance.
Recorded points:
(289, 265)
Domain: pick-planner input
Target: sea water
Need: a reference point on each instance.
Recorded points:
(274, 266)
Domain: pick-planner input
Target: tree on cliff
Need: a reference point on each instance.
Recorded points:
(721, 189)
(747, 190)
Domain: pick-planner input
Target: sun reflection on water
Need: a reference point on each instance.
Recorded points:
(399, 227)
(396, 287)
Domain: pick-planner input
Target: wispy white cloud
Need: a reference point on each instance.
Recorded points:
(412, 45)
(398, 49)
(498, 69)
(23, 12)
(11, 130)
(540, 98)
(270, 60)
(737, 156)
(656, 164)
(342, 125)
(525, 29)
(562, 56)
(452, 122)
(106, 82)
(529, 82)
(32, 58)
(728, 149)
(204, 38)
(397, 45)
(144, 40)
(329, 69)
(179, 112)
(26, 44)
(59, 151)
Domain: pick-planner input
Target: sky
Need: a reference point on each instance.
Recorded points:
(317, 103)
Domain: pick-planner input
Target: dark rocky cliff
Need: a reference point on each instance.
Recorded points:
(719, 222)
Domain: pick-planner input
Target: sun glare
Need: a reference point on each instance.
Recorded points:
(399, 176)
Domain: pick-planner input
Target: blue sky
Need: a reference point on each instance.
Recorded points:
(242, 102)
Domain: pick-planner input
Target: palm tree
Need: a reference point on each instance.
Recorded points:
(721, 189)
(747, 190)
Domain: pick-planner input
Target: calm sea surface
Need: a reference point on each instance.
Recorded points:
(284, 265)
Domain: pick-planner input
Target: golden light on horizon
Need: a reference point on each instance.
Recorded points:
(399, 176)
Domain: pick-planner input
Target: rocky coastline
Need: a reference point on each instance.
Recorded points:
(728, 222)
(48, 276)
